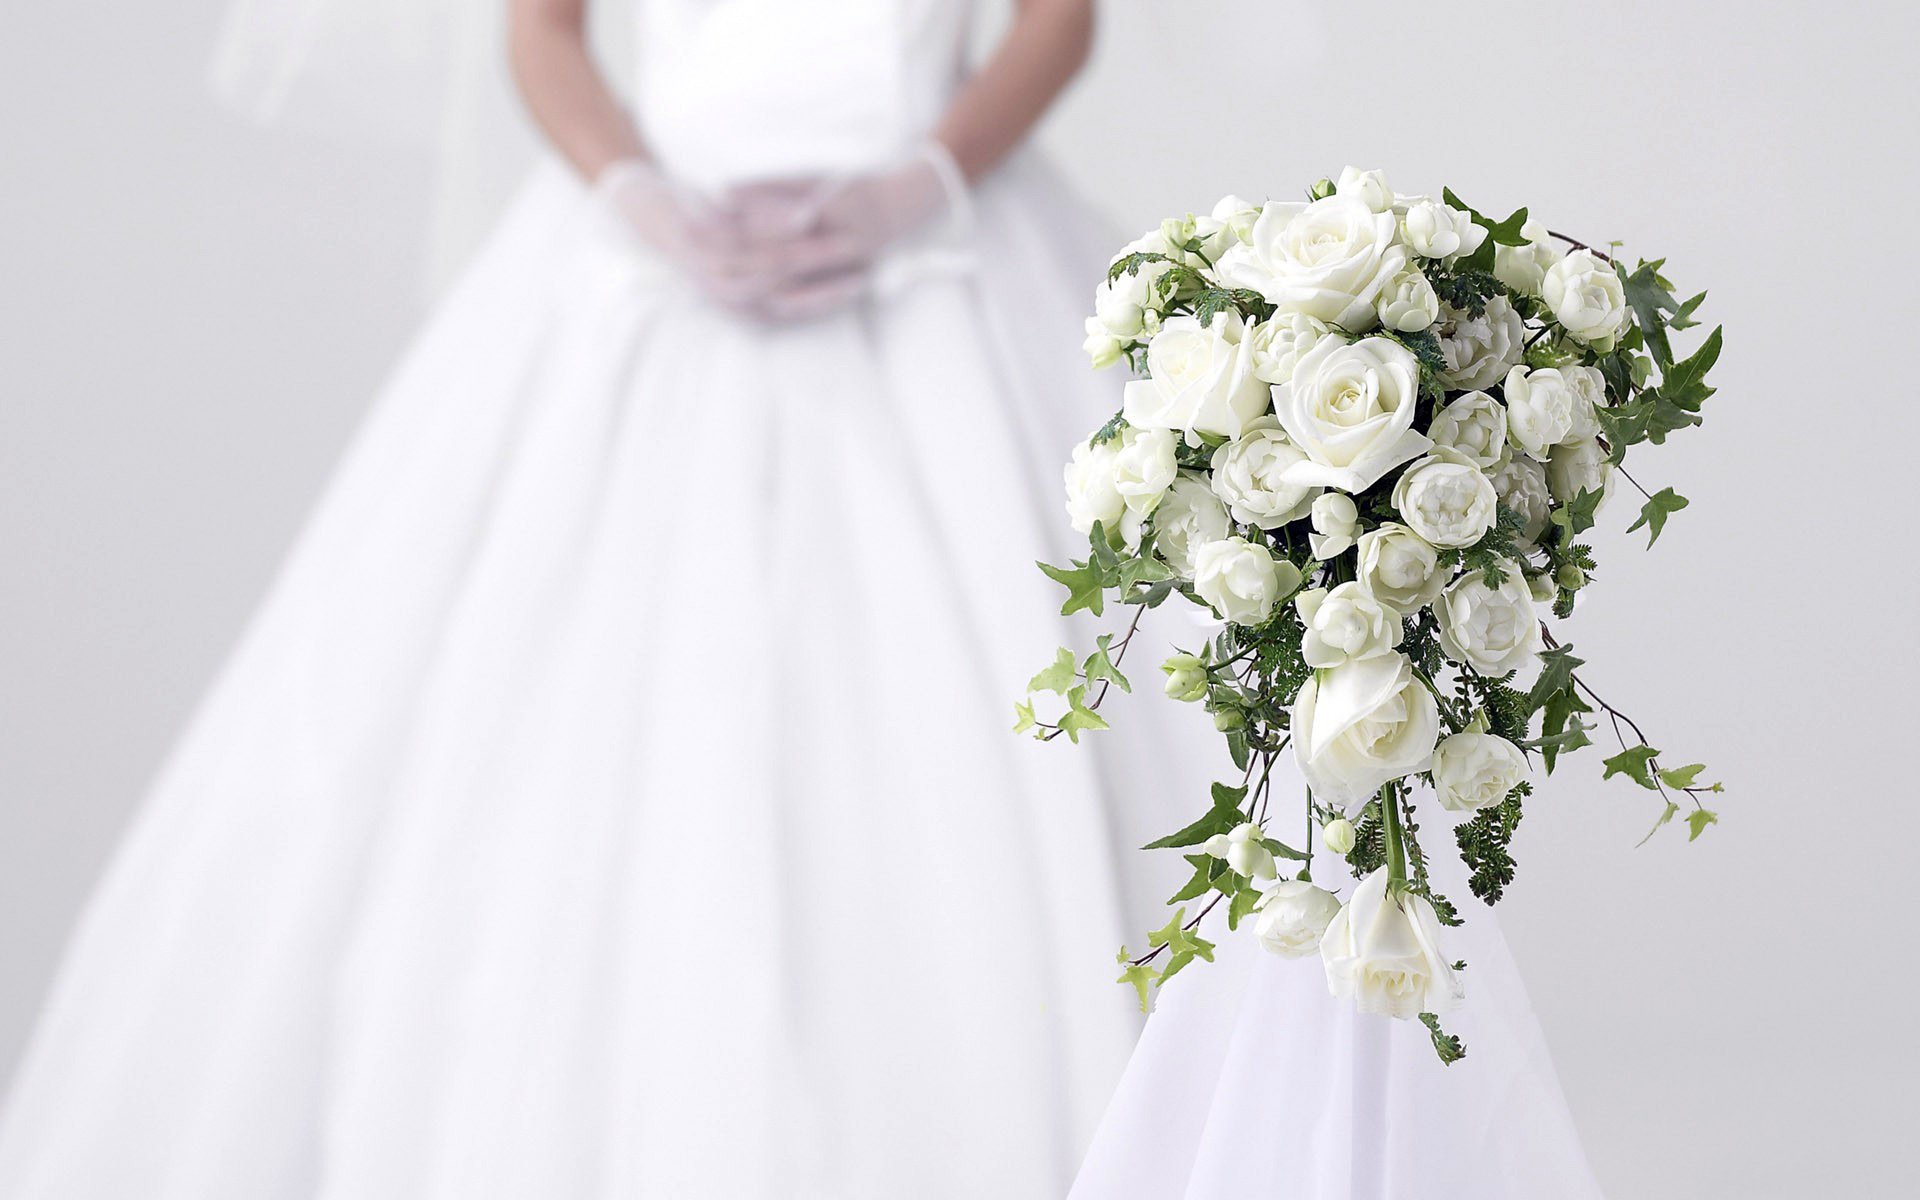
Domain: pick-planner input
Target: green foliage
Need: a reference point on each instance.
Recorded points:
(1466, 290)
(1058, 676)
(1496, 550)
(1636, 763)
(1221, 818)
(1484, 842)
(1499, 233)
(1139, 976)
(1369, 851)
(1450, 1048)
(1181, 944)
(1079, 718)
(1100, 665)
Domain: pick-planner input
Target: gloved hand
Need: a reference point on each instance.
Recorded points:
(697, 237)
(822, 236)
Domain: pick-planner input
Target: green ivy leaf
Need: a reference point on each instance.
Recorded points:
(1079, 718)
(1141, 977)
(1635, 764)
(1654, 513)
(1085, 584)
(1100, 665)
(1683, 777)
(1057, 677)
(1666, 815)
(1023, 716)
(1698, 820)
(1221, 818)
(1556, 675)
(1242, 904)
(1578, 514)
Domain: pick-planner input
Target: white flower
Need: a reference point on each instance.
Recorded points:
(1279, 341)
(1589, 396)
(1539, 409)
(1363, 725)
(1493, 630)
(1383, 952)
(1524, 268)
(1188, 517)
(1407, 302)
(1478, 350)
(1587, 298)
(1328, 259)
(1200, 380)
(1293, 916)
(1400, 567)
(1186, 677)
(1579, 467)
(1521, 484)
(1237, 216)
(1435, 230)
(1249, 475)
(1144, 467)
(1102, 348)
(1474, 769)
(1476, 426)
(1128, 305)
(1350, 407)
(1368, 187)
(1345, 624)
(1446, 499)
(1242, 851)
(1336, 523)
(1242, 580)
(1338, 834)
(1091, 493)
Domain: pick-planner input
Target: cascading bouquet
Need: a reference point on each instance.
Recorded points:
(1368, 434)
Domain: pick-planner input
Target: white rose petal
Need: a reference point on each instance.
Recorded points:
(1345, 625)
(1336, 523)
(1446, 499)
(1407, 303)
(1475, 425)
(1200, 380)
(1279, 342)
(1293, 914)
(1249, 475)
(1521, 484)
(1589, 396)
(1587, 298)
(1242, 580)
(1368, 187)
(1242, 851)
(1188, 517)
(1091, 493)
(1383, 952)
(1328, 259)
(1399, 567)
(1362, 725)
(1540, 406)
(1577, 467)
(1478, 350)
(1350, 406)
(1493, 630)
(1435, 230)
(1524, 268)
(1474, 769)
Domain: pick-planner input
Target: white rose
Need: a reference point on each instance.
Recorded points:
(1493, 630)
(1475, 425)
(1368, 187)
(1407, 303)
(1577, 467)
(1478, 350)
(1539, 409)
(1328, 259)
(1128, 305)
(1237, 216)
(1200, 380)
(1587, 298)
(1345, 624)
(1524, 268)
(1336, 523)
(1102, 348)
(1279, 342)
(1383, 952)
(1447, 499)
(1242, 851)
(1521, 484)
(1091, 491)
(1589, 396)
(1211, 236)
(1435, 230)
(1188, 517)
(1144, 467)
(1398, 566)
(1242, 580)
(1249, 476)
(1362, 725)
(1474, 769)
(1339, 835)
(1350, 407)
(1293, 914)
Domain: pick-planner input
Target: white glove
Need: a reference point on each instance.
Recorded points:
(696, 237)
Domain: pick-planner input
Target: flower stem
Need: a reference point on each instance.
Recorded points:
(1396, 848)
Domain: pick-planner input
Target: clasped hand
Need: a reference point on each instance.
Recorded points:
(779, 250)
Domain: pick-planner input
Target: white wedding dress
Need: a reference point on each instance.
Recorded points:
(1251, 1080)
(614, 796)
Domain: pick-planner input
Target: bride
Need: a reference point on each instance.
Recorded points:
(614, 796)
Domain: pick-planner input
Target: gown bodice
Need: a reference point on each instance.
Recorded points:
(729, 90)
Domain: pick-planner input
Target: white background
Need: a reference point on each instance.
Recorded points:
(193, 315)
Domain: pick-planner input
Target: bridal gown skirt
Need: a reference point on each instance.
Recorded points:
(1251, 1080)
(615, 796)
